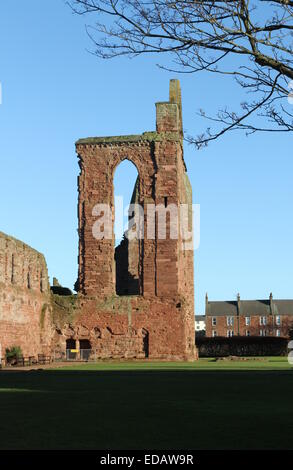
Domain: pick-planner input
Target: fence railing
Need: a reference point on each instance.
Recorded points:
(75, 355)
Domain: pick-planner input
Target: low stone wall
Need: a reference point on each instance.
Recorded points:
(25, 300)
(124, 327)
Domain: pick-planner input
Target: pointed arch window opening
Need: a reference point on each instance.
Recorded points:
(127, 252)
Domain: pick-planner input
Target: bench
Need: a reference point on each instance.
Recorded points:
(43, 359)
(25, 360)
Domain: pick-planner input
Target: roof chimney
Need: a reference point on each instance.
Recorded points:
(238, 303)
(207, 302)
(271, 304)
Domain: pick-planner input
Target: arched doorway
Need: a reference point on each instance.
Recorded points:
(127, 259)
(71, 349)
(85, 349)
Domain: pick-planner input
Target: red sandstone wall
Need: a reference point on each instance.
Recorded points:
(126, 327)
(96, 258)
(159, 322)
(24, 298)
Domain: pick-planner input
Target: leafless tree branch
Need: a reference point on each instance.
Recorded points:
(249, 40)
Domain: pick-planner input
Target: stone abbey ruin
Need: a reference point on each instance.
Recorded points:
(132, 301)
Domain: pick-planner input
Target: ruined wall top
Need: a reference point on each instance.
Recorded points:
(21, 265)
(175, 97)
(169, 113)
(168, 124)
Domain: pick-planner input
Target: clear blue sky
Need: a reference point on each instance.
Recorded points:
(55, 92)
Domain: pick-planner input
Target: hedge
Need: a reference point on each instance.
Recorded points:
(241, 346)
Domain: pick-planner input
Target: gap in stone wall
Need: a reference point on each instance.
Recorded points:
(125, 182)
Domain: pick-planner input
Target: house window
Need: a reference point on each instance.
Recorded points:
(262, 320)
(278, 320)
(230, 321)
(262, 332)
(214, 333)
(214, 321)
(247, 333)
(230, 333)
(247, 321)
(278, 332)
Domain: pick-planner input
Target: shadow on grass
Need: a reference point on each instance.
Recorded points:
(146, 409)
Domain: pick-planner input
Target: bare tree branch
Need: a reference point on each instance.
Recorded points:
(253, 38)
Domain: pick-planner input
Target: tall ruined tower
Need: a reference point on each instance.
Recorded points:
(158, 321)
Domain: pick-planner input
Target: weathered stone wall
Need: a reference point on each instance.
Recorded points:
(25, 301)
(159, 322)
(123, 326)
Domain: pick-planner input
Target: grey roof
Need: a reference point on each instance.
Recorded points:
(249, 307)
(283, 307)
(255, 307)
(219, 308)
(199, 317)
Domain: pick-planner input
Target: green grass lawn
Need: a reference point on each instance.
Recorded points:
(204, 405)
